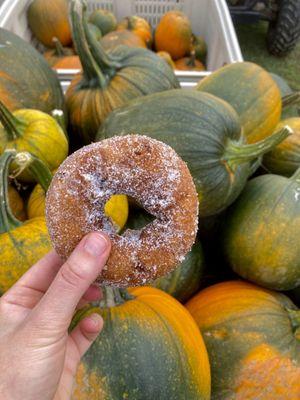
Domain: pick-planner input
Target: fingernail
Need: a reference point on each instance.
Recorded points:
(96, 244)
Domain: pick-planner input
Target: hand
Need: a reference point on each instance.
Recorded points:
(39, 358)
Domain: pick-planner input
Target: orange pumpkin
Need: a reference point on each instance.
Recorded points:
(253, 341)
(174, 34)
(62, 57)
(189, 64)
(49, 19)
(125, 37)
(70, 62)
(139, 26)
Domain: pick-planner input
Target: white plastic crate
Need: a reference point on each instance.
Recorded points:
(209, 18)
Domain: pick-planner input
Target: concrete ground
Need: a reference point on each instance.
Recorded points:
(252, 41)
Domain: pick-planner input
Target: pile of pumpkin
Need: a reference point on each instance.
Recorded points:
(236, 336)
(173, 39)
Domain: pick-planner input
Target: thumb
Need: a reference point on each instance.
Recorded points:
(56, 308)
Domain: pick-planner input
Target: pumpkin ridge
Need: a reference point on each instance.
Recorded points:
(254, 100)
(44, 135)
(274, 112)
(36, 148)
(184, 375)
(275, 204)
(116, 341)
(16, 91)
(127, 78)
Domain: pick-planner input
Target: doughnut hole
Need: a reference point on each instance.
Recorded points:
(138, 217)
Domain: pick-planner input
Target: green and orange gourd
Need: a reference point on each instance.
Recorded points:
(189, 63)
(49, 19)
(253, 340)
(26, 79)
(22, 243)
(186, 279)
(62, 57)
(121, 38)
(205, 132)
(261, 232)
(150, 347)
(35, 132)
(174, 34)
(104, 20)
(199, 46)
(109, 80)
(252, 92)
(139, 26)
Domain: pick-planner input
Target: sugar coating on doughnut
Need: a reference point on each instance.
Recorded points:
(145, 169)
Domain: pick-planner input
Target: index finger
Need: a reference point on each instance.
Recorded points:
(57, 306)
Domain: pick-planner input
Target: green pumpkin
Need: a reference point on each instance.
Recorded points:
(150, 348)
(104, 20)
(204, 131)
(109, 80)
(26, 79)
(253, 341)
(261, 232)
(22, 244)
(185, 281)
(253, 94)
(200, 48)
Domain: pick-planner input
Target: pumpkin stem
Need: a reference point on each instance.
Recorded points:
(290, 99)
(107, 62)
(97, 65)
(191, 62)
(113, 297)
(239, 153)
(60, 51)
(7, 220)
(36, 167)
(130, 23)
(126, 295)
(12, 125)
(91, 71)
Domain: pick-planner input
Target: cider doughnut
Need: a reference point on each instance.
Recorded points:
(145, 169)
